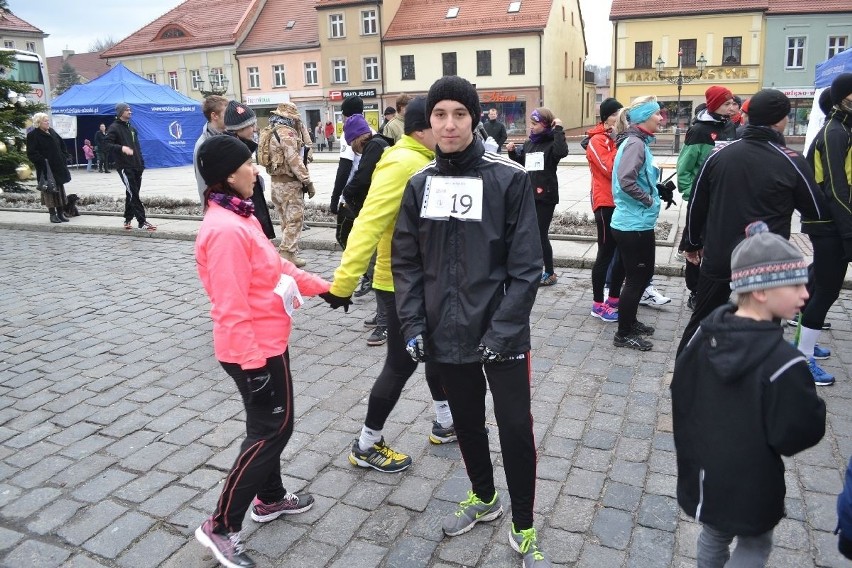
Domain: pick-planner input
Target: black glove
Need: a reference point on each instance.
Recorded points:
(416, 349)
(336, 301)
(259, 382)
(666, 191)
(486, 355)
(348, 211)
(333, 205)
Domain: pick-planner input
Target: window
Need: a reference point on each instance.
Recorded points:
(448, 62)
(452, 12)
(217, 76)
(643, 55)
(483, 62)
(687, 52)
(407, 63)
(517, 61)
(278, 78)
(253, 77)
(836, 44)
(371, 68)
(195, 79)
(368, 22)
(31, 46)
(514, 7)
(795, 52)
(732, 48)
(172, 33)
(151, 77)
(8, 44)
(335, 25)
(311, 75)
(290, 25)
(338, 70)
(173, 81)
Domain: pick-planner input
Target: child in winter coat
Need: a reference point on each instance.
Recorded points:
(89, 154)
(741, 398)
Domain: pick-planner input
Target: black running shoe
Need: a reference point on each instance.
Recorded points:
(640, 328)
(632, 341)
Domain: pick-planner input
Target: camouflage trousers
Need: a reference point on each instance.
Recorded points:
(289, 201)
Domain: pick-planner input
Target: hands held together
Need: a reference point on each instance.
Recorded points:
(337, 301)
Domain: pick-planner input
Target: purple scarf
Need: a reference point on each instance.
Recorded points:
(243, 207)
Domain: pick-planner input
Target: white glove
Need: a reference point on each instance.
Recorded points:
(491, 145)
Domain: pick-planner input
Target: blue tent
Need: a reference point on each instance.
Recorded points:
(828, 70)
(168, 122)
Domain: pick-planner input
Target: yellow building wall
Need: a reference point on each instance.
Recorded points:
(708, 31)
(563, 64)
(352, 48)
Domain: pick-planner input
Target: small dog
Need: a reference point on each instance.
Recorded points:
(71, 205)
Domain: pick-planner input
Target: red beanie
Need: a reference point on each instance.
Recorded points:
(744, 108)
(716, 97)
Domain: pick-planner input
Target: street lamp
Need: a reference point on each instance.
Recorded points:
(218, 85)
(679, 80)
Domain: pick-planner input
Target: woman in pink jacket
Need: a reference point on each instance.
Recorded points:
(253, 293)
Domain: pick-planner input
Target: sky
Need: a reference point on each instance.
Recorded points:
(76, 26)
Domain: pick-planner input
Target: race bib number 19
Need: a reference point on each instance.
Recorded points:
(459, 197)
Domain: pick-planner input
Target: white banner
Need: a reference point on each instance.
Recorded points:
(65, 125)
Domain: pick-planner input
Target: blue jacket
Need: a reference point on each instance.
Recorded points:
(634, 184)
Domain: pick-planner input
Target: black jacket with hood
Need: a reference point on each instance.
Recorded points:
(742, 397)
(462, 283)
(121, 133)
(544, 182)
(750, 179)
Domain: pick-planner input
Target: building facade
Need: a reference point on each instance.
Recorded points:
(16, 33)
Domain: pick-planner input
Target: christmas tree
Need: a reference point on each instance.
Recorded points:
(14, 118)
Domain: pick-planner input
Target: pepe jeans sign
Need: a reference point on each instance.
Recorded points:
(363, 93)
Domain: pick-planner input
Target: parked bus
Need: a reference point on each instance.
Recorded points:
(29, 68)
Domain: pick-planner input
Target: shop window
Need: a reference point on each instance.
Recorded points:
(732, 48)
(643, 54)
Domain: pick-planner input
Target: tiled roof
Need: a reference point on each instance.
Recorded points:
(335, 3)
(88, 65)
(9, 21)
(799, 7)
(623, 9)
(270, 30)
(428, 18)
(205, 23)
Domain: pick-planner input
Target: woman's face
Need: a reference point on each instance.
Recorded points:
(537, 127)
(243, 179)
(44, 124)
(653, 123)
(246, 133)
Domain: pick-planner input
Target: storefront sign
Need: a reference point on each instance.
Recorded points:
(335, 95)
(497, 97)
(714, 73)
(363, 93)
(799, 92)
(268, 99)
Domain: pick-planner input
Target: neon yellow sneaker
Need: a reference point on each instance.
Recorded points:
(380, 457)
(525, 543)
(471, 511)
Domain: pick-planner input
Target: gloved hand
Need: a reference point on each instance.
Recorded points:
(259, 382)
(416, 349)
(666, 191)
(347, 210)
(486, 355)
(337, 301)
(333, 205)
(309, 189)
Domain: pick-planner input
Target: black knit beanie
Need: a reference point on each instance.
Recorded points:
(238, 116)
(415, 116)
(841, 88)
(219, 157)
(455, 88)
(825, 102)
(768, 107)
(609, 106)
(352, 105)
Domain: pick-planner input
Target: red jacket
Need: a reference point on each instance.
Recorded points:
(600, 153)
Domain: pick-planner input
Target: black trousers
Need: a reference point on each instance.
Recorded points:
(637, 250)
(398, 368)
(606, 251)
(829, 270)
(509, 383)
(709, 295)
(691, 273)
(269, 425)
(132, 180)
(544, 213)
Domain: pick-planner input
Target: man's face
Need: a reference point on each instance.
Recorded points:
(728, 108)
(451, 126)
(217, 118)
(492, 114)
(126, 114)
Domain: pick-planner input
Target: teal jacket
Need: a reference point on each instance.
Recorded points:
(634, 184)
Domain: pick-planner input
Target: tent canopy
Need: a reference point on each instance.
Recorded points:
(167, 121)
(828, 70)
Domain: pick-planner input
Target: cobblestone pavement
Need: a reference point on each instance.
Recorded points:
(117, 425)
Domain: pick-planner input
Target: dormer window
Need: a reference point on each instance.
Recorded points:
(514, 7)
(172, 32)
(452, 12)
(290, 24)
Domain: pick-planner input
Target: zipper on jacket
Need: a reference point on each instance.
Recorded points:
(700, 495)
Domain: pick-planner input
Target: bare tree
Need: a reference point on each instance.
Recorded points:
(100, 44)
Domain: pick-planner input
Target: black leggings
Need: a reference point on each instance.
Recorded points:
(399, 367)
(269, 425)
(829, 270)
(637, 249)
(509, 383)
(544, 213)
(606, 250)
